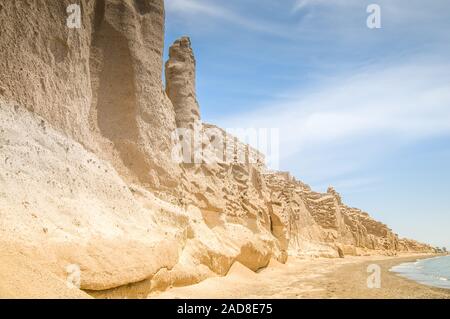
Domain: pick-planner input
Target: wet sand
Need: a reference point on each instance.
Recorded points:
(318, 278)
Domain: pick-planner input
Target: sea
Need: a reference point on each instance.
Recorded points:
(432, 272)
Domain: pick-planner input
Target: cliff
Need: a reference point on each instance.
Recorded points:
(88, 137)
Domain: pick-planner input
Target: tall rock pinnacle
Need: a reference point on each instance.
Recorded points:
(180, 83)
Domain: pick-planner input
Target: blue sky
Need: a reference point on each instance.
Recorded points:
(365, 110)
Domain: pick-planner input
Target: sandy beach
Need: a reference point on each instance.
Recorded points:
(299, 278)
(320, 278)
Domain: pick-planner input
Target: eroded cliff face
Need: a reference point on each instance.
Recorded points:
(87, 170)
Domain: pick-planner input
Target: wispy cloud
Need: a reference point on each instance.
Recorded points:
(357, 108)
(351, 185)
(209, 9)
(302, 4)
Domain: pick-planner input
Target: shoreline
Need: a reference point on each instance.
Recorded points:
(313, 279)
(350, 281)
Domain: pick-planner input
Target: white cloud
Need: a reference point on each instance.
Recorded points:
(353, 116)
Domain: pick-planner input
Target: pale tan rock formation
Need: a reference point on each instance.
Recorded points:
(180, 83)
(100, 84)
(326, 220)
(87, 174)
(410, 245)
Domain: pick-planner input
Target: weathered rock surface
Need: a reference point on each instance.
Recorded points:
(180, 83)
(87, 169)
